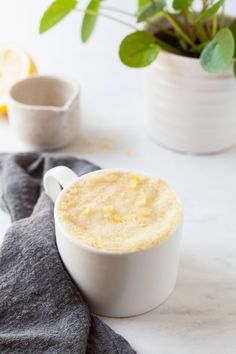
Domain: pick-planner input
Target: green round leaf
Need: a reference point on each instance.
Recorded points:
(232, 28)
(210, 11)
(55, 13)
(218, 54)
(234, 68)
(89, 20)
(138, 49)
(150, 9)
(181, 4)
(142, 3)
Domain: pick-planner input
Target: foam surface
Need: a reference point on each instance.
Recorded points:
(119, 211)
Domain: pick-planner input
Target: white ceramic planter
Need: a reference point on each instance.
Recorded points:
(190, 110)
(114, 284)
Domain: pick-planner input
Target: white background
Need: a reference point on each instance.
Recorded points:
(200, 316)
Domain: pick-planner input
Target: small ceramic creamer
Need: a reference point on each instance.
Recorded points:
(44, 111)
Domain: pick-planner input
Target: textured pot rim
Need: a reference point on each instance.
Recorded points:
(188, 65)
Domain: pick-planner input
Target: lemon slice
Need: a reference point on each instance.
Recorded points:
(15, 64)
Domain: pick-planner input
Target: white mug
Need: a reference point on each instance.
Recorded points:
(114, 284)
(44, 111)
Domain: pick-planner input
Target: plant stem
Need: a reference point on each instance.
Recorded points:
(201, 32)
(188, 26)
(183, 44)
(214, 25)
(198, 48)
(114, 9)
(204, 5)
(222, 17)
(89, 12)
(178, 28)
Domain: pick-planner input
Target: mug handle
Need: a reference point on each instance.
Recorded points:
(56, 179)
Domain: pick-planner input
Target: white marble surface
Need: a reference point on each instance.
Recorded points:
(200, 315)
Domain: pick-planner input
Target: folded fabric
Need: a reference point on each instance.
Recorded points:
(41, 309)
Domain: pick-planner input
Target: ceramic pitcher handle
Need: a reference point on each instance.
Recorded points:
(56, 179)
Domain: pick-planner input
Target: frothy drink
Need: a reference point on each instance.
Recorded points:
(119, 211)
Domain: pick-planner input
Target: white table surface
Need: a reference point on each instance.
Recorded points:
(200, 315)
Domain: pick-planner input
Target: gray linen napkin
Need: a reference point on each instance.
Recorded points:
(41, 309)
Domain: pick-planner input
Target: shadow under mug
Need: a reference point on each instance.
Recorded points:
(114, 284)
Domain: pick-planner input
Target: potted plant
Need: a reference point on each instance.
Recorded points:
(190, 86)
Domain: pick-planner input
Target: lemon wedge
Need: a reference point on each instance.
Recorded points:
(15, 64)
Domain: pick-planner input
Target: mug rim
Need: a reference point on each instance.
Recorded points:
(75, 87)
(94, 250)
